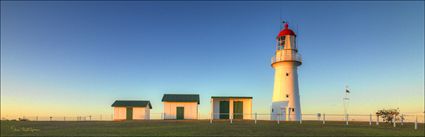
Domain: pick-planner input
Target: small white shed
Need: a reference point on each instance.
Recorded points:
(231, 107)
(131, 109)
(180, 106)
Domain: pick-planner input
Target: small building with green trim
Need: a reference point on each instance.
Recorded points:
(180, 106)
(131, 109)
(231, 107)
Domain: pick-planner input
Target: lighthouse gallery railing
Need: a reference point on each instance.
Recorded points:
(286, 57)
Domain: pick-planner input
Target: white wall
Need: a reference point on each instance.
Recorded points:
(247, 107)
(190, 110)
(139, 113)
(147, 113)
(120, 113)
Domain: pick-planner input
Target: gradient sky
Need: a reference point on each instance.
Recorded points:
(75, 58)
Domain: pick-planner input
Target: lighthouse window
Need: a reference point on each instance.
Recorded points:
(282, 40)
(287, 74)
(287, 96)
(293, 109)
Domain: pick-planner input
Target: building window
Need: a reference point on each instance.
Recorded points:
(287, 96)
(293, 109)
(272, 110)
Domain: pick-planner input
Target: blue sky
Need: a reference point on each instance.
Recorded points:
(72, 58)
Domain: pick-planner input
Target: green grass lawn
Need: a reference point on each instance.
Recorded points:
(203, 128)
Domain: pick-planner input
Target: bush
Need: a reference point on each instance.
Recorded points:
(23, 119)
(389, 114)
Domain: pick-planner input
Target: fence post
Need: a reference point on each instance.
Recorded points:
(416, 122)
(50, 118)
(101, 117)
(370, 119)
(324, 118)
(36, 118)
(401, 118)
(211, 117)
(394, 120)
(64, 118)
(90, 117)
(301, 120)
(278, 118)
(289, 116)
(377, 120)
(255, 120)
(346, 119)
(231, 118)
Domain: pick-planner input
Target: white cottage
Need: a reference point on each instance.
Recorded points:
(180, 106)
(231, 107)
(131, 110)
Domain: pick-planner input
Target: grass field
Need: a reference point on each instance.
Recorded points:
(202, 128)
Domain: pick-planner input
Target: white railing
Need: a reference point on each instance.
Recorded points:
(287, 57)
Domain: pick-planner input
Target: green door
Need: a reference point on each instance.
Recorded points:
(224, 110)
(238, 110)
(129, 113)
(180, 113)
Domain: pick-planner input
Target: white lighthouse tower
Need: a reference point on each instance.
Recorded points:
(286, 98)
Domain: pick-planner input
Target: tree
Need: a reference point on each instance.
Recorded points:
(389, 114)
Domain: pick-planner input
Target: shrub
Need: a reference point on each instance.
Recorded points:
(389, 114)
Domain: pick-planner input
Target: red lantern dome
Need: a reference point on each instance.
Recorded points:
(286, 31)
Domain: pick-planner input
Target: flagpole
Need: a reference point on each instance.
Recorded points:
(346, 100)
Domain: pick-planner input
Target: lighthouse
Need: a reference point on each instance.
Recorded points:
(286, 97)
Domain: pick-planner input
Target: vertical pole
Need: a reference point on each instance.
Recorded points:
(377, 120)
(346, 119)
(211, 117)
(64, 119)
(416, 122)
(36, 118)
(90, 117)
(289, 115)
(402, 118)
(394, 120)
(50, 118)
(231, 118)
(101, 117)
(278, 118)
(255, 120)
(370, 119)
(324, 118)
(301, 121)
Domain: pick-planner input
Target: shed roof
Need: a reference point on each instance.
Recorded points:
(244, 97)
(181, 98)
(132, 103)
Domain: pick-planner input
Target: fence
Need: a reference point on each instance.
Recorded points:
(322, 118)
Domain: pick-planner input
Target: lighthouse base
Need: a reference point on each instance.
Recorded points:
(278, 110)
